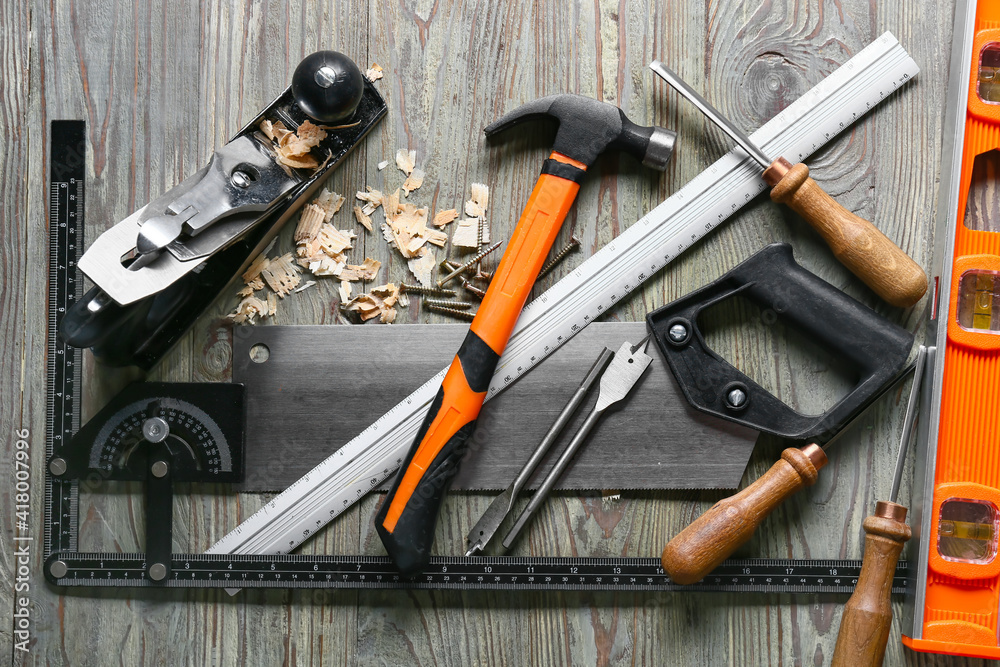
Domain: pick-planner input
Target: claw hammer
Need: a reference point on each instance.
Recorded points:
(587, 127)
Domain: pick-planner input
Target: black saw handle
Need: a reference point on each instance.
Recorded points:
(868, 344)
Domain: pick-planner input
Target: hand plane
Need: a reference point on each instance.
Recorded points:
(158, 269)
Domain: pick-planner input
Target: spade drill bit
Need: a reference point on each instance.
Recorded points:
(502, 505)
(628, 366)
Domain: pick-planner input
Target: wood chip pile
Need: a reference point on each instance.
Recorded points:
(321, 247)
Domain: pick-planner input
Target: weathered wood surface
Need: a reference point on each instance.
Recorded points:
(162, 83)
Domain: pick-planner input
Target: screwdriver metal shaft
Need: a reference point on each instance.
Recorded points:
(856, 242)
(867, 617)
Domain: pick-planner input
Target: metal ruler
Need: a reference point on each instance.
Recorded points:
(594, 287)
(498, 573)
(62, 409)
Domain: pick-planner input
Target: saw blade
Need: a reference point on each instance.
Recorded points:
(590, 290)
(312, 396)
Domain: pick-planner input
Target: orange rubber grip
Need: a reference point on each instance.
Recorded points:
(408, 515)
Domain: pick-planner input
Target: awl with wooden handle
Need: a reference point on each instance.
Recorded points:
(856, 242)
(867, 617)
(731, 522)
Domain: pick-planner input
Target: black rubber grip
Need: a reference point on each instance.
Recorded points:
(409, 544)
(563, 170)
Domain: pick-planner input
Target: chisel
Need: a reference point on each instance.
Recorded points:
(857, 243)
(731, 522)
(867, 617)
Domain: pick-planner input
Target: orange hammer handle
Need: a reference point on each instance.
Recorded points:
(408, 516)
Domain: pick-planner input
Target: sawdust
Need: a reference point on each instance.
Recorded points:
(382, 165)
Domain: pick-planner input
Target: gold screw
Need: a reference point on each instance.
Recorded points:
(448, 303)
(472, 288)
(469, 264)
(573, 244)
(460, 314)
(426, 291)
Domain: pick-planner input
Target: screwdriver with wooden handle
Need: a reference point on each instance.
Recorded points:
(855, 242)
(867, 617)
(731, 522)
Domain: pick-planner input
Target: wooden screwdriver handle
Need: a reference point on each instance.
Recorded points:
(729, 523)
(857, 243)
(867, 617)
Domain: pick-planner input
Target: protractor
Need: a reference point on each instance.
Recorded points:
(196, 427)
(199, 449)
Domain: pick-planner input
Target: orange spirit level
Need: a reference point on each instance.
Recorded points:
(956, 592)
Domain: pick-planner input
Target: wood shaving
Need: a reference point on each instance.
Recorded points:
(466, 234)
(413, 181)
(407, 227)
(372, 199)
(422, 266)
(382, 165)
(377, 303)
(253, 271)
(333, 241)
(310, 222)
(293, 148)
(281, 275)
(390, 204)
(374, 73)
(406, 160)
(442, 218)
(248, 309)
(363, 218)
(367, 270)
(330, 202)
(323, 266)
(345, 291)
(304, 286)
(272, 304)
(476, 206)
(436, 237)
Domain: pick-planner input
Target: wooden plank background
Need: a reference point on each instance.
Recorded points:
(161, 84)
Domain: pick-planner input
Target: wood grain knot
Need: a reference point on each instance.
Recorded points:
(770, 84)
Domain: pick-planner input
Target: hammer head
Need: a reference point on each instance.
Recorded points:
(588, 127)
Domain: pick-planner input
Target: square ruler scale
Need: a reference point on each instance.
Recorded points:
(254, 555)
